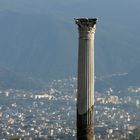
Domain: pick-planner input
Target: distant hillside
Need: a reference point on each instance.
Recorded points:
(10, 79)
(132, 78)
(36, 45)
(40, 39)
(120, 81)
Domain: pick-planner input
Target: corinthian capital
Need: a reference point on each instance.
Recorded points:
(86, 24)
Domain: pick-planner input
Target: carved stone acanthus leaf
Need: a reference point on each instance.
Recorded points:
(86, 24)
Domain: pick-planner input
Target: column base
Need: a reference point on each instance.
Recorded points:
(85, 132)
(85, 125)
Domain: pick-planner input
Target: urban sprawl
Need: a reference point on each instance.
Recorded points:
(51, 113)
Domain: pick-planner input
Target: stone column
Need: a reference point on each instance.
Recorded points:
(85, 95)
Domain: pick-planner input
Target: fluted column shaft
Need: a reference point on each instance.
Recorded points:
(85, 95)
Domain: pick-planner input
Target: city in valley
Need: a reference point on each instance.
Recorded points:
(51, 113)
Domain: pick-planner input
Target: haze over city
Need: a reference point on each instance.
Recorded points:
(38, 68)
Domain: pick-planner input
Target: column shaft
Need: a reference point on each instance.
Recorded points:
(85, 95)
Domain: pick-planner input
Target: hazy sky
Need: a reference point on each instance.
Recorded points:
(117, 36)
(120, 10)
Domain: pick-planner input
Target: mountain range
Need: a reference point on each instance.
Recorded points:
(39, 39)
(10, 79)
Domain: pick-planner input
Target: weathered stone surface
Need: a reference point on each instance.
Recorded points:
(85, 95)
